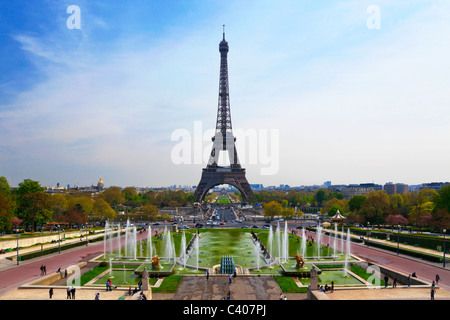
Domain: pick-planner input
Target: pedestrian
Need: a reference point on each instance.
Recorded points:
(332, 286)
(207, 274)
(50, 292)
(140, 285)
(386, 279)
(68, 293)
(45, 270)
(65, 273)
(229, 278)
(432, 293)
(110, 284)
(129, 291)
(42, 269)
(235, 272)
(228, 295)
(72, 291)
(437, 279)
(97, 296)
(107, 285)
(281, 296)
(394, 283)
(409, 281)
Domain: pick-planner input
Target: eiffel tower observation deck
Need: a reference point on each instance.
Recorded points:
(223, 140)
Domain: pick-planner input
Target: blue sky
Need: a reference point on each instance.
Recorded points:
(351, 104)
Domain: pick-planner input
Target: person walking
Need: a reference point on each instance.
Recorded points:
(42, 269)
(72, 291)
(207, 274)
(229, 278)
(45, 270)
(386, 279)
(394, 283)
(437, 279)
(97, 296)
(432, 293)
(68, 293)
(50, 293)
(409, 281)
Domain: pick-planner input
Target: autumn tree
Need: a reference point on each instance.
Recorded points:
(374, 208)
(102, 211)
(272, 209)
(113, 195)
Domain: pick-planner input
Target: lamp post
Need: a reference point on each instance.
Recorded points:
(398, 240)
(59, 240)
(17, 230)
(444, 246)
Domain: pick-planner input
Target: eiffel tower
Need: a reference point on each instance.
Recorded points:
(223, 140)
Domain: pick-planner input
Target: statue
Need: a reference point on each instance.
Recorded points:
(300, 261)
(155, 262)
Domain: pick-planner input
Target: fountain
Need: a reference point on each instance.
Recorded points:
(347, 254)
(285, 243)
(118, 243)
(149, 242)
(133, 243)
(169, 249)
(257, 253)
(197, 247)
(335, 241)
(319, 236)
(183, 255)
(126, 237)
(303, 245)
(278, 240)
(270, 240)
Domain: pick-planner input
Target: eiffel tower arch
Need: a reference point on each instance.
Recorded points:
(223, 140)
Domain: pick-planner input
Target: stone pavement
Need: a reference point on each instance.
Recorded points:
(387, 294)
(61, 294)
(217, 287)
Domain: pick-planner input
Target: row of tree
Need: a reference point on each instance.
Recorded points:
(427, 208)
(29, 205)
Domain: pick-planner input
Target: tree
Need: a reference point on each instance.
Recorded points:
(83, 204)
(320, 196)
(287, 213)
(113, 195)
(442, 198)
(331, 206)
(73, 216)
(272, 209)
(28, 186)
(36, 207)
(102, 210)
(4, 186)
(60, 206)
(395, 220)
(374, 208)
(150, 211)
(7, 205)
(356, 202)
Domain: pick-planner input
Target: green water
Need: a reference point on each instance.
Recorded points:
(213, 245)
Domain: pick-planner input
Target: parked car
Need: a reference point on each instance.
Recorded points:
(156, 224)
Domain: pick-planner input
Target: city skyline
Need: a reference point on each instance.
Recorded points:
(351, 103)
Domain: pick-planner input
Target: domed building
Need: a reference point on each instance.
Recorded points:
(100, 185)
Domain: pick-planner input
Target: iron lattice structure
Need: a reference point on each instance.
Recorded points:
(223, 140)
